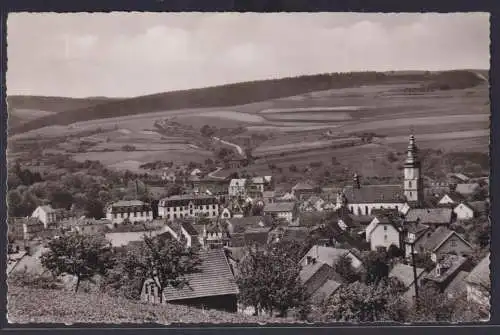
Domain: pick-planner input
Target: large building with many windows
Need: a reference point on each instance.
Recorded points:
(188, 205)
(132, 211)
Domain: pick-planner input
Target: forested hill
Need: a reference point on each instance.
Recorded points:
(53, 104)
(235, 94)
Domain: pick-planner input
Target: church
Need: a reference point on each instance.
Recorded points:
(362, 199)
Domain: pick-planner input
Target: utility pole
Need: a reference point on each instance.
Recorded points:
(414, 272)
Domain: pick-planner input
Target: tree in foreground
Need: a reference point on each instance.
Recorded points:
(345, 269)
(83, 256)
(359, 302)
(164, 260)
(376, 267)
(269, 282)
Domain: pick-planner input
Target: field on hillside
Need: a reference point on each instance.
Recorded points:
(301, 128)
(30, 305)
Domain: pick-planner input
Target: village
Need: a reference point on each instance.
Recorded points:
(426, 231)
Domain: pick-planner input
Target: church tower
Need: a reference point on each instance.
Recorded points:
(413, 185)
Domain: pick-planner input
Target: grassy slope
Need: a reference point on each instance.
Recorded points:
(59, 306)
(53, 104)
(229, 95)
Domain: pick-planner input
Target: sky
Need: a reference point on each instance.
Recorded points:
(132, 54)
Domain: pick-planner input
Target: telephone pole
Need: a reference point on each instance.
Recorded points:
(415, 277)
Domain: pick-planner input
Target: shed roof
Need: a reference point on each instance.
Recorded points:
(404, 273)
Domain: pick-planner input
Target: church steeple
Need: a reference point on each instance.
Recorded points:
(413, 185)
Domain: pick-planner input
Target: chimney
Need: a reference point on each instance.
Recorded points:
(356, 181)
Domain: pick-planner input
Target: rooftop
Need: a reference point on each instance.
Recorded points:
(458, 284)
(480, 275)
(327, 255)
(374, 194)
(430, 215)
(449, 266)
(279, 207)
(213, 279)
(303, 186)
(466, 189)
(127, 203)
(188, 227)
(404, 273)
(326, 290)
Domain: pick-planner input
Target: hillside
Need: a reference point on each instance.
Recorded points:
(217, 96)
(52, 104)
(58, 306)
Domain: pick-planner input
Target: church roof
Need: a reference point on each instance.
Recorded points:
(374, 194)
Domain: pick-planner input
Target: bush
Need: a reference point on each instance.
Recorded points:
(32, 280)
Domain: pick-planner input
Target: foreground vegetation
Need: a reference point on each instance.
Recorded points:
(27, 304)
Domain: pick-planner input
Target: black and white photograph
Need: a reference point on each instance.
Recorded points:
(248, 168)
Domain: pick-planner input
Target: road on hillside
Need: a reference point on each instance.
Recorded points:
(238, 148)
(211, 174)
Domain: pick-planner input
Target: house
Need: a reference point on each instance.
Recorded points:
(195, 172)
(463, 211)
(284, 210)
(450, 199)
(236, 163)
(188, 205)
(225, 213)
(467, 189)
(303, 189)
(447, 268)
(256, 186)
(169, 176)
(458, 177)
(50, 216)
(268, 196)
(131, 210)
(256, 236)
(406, 275)
(297, 234)
(414, 231)
(479, 284)
(213, 286)
(329, 256)
(214, 237)
(316, 203)
(430, 216)
(210, 186)
(32, 227)
(240, 225)
(384, 231)
(237, 188)
(440, 242)
(190, 234)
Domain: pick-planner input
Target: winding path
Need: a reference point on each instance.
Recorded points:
(238, 148)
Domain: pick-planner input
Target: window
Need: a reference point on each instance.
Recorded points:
(453, 243)
(213, 206)
(175, 216)
(397, 208)
(409, 184)
(385, 228)
(366, 210)
(168, 216)
(411, 193)
(191, 211)
(147, 289)
(385, 237)
(115, 216)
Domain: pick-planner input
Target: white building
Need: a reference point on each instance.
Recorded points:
(282, 210)
(188, 205)
(383, 232)
(46, 215)
(237, 187)
(463, 212)
(132, 210)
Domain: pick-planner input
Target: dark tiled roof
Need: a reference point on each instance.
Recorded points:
(255, 236)
(237, 240)
(325, 291)
(404, 273)
(188, 227)
(185, 199)
(416, 228)
(431, 240)
(480, 275)
(374, 194)
(303, 186)
(430, 215)
(279, 207)
(214, 278)
(298, 234)
(362, 219)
